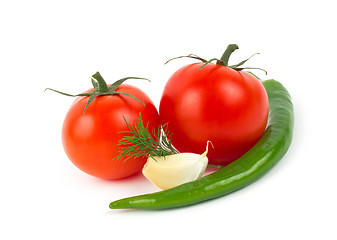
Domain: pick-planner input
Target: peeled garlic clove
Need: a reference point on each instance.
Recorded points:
(173, 170)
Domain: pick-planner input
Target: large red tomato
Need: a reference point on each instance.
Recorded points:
(216, 103)
(90, 139)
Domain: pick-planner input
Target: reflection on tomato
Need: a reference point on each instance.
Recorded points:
(216, 103)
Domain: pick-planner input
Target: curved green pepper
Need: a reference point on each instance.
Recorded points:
(256, 162)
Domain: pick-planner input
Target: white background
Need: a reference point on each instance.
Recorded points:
(60, 44)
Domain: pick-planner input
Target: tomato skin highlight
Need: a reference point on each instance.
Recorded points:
(215, 103)
(90, 139)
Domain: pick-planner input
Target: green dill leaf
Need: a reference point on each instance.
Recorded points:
(139, 142)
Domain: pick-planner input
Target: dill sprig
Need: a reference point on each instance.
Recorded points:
(138, 141)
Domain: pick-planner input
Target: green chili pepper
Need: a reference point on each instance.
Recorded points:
(251, 166)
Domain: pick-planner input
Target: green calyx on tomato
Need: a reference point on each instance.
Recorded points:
(101, 89)
(223, 61)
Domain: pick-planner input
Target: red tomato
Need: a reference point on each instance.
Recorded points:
(216, 103)
(90, 139)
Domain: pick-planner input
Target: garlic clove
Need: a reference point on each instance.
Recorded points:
(173, 170)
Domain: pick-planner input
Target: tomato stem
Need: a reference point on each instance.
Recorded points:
(102, 89)
(223, 61)
(228, 52)
(101, 84)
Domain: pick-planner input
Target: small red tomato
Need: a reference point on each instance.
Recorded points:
(216, 103)
(90, 139)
